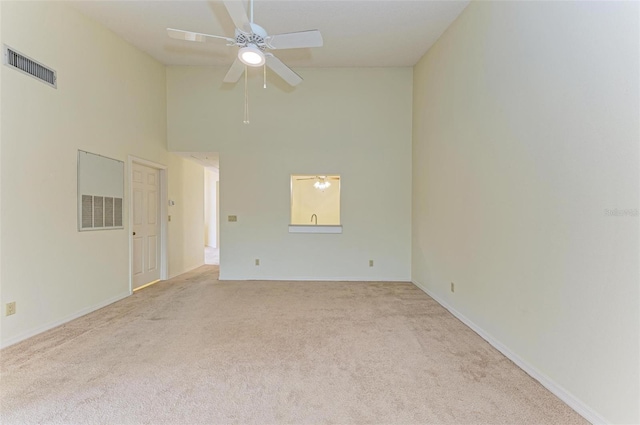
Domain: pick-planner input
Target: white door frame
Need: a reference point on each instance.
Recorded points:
(164, 202)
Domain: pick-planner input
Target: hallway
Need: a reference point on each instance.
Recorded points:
(211, 255)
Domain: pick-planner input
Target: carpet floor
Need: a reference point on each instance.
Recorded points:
(196, 350)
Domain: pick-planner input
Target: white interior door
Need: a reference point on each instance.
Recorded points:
(146, 225)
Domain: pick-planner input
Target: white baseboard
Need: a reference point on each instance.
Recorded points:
(186, 270)
(316, 279)
(572, 401)
(56, 323)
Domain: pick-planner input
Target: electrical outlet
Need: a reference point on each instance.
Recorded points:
(233, 218)
(11, 308)
(257, 261)
(453, 287)
(370, 263)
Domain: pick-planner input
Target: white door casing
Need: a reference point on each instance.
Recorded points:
(146, 225)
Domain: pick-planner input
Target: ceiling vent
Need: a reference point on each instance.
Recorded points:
(28, 66)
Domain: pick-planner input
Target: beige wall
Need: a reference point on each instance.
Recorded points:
(110, 100)
(211, 207)
(355, 123)
(1, 72)
(186, 228)
(526, 129)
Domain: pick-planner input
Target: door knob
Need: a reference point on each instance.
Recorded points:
(134, 233)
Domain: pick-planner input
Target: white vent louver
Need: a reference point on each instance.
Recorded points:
(87, 211)
(28, 66)
(117, 212)
(100, 212)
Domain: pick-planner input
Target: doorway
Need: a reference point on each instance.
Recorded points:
(210, 161)
(148, 193)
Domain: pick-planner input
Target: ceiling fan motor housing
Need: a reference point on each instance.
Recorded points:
(257, 37)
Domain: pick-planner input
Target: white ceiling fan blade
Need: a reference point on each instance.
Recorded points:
(235, 72)
(283, 70)
(295, 40)
(195, 36)
(238, 14)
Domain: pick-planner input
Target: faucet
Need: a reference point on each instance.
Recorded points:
(313, 215)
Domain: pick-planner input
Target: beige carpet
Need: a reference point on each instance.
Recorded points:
(195, 350)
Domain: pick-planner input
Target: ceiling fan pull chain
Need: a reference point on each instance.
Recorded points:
(246, 96)
(265, 76)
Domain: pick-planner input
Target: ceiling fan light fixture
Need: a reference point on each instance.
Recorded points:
(322, 185)
(251, 55)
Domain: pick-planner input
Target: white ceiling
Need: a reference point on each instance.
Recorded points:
(209, 160)
(357, 33)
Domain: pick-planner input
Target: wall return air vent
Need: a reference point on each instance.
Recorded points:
(26, 65)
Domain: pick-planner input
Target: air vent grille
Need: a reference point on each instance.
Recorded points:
(99, 212)
(28, 66)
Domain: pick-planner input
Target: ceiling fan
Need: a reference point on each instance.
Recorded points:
(254, 43)
(322, 182)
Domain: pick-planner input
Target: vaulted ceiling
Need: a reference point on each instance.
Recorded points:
(356, 33)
